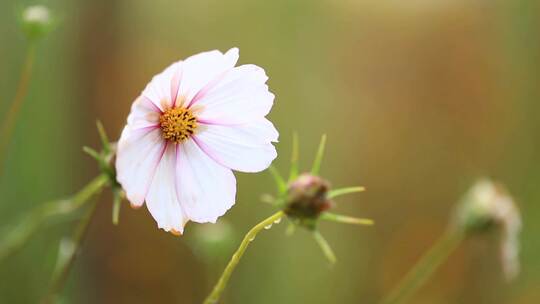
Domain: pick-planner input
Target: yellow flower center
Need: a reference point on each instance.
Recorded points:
(177, 124)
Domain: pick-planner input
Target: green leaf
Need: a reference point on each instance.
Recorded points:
(342, 191)
(345, 219)
(280, 182)
(93, 153)
(325, 247)
(319, 156)
(103, 137)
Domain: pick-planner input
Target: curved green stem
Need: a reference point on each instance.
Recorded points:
(250, 236)
(11, 116)
(424, 268)
(30, 224)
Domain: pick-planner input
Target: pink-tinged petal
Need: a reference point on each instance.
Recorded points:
(139, 152)
(245, 148)
(206, 189)
(201, 69)
(161, 87)
(144, 113)
(241, 96)
(162, 199)
(193, 180)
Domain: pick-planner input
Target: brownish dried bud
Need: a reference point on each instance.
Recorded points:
(307, 198)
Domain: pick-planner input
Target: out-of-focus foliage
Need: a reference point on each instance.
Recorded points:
(418, 98)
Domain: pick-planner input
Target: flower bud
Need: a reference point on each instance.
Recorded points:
(307, 198)
(488, 206)
(36, 21)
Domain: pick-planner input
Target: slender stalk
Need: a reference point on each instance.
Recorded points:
(424, 268)
(11, 115)
(250, 236)
(26, 227)
(61, 274)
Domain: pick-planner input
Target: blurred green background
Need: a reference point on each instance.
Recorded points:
(418, 98)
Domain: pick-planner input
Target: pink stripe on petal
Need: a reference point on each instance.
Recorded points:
(149, 127)
(208, 121)
(149, 104)
(214, 122)
(137, 158)
(177, 177)
(175, 83)
(144, 130)
(208, 151)
(202, 92)
(155, 166)
(245, 148)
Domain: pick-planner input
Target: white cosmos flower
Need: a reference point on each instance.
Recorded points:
(195, 122)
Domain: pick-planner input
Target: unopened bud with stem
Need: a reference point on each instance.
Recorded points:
(488, 206)
(36, 21)
(307, 198)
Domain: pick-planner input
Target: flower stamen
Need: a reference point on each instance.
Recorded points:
(177, 124)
